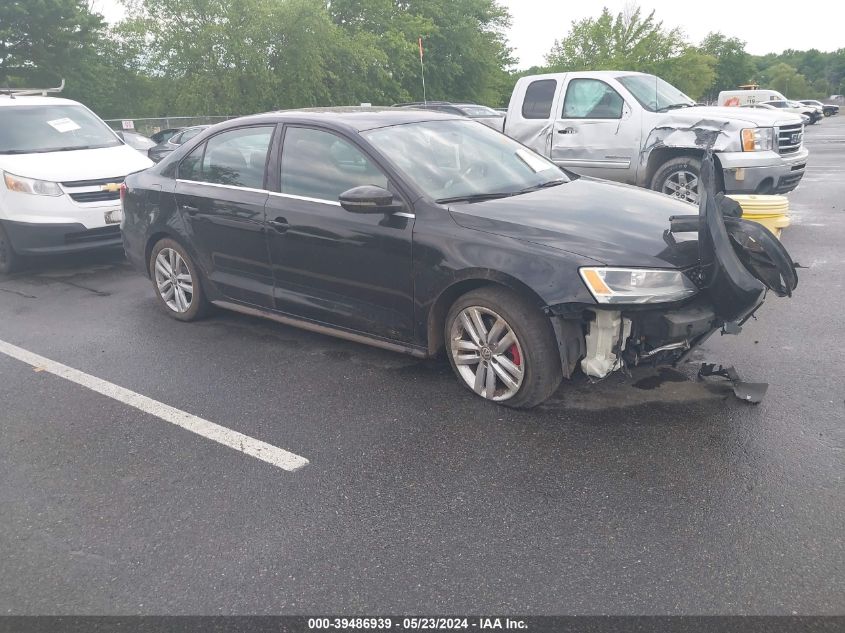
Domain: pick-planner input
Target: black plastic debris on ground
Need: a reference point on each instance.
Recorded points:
(752, 392)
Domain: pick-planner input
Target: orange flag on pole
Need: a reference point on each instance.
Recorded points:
(421, 50)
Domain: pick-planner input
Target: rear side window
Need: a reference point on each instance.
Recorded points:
(321, 165)
(591, 99)
(237, 158)
(538, 99)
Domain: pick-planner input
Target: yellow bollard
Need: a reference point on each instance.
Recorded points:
(770, 211)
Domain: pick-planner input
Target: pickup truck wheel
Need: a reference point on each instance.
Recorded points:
(177, 282)
(503, 348)
(679, 178)
(9, 260)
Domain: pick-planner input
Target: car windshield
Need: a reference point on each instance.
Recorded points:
(477, 110)
(52, 128)
(453, 160)
(655, 94)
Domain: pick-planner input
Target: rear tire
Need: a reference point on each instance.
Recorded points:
(176, 281)
(10, 261)
(515, 361)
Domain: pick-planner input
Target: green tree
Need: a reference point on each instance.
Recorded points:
(787, 80)
(692, 71)
(42, 41)
(627, 41)
(734, 66)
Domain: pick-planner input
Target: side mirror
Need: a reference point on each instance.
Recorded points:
(368, 199)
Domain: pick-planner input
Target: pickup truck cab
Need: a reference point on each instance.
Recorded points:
(639, 129)
(61, 169)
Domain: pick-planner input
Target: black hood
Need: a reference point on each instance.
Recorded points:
(612, 223)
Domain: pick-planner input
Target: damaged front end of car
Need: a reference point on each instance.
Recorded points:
(657, 316)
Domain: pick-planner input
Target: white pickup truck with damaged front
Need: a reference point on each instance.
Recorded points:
(639, 129)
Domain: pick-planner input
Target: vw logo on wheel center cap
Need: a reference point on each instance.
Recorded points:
(486, 353)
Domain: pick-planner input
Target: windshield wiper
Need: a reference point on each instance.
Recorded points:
(675, 106)
(543, 185)
(477, 197)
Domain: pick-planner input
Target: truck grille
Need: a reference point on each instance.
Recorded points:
(790, 138)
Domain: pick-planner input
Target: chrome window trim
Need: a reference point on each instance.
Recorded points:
(217, 184)
(304, 198)
(401, 214)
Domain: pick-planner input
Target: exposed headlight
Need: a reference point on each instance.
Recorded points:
(758, 139)
(31, 185)
(637, 285)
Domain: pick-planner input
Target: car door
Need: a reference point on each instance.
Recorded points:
(596, 133)
(331, 266)
(221, 198)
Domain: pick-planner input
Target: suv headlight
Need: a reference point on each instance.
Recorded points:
(31, 185)
(758, 139)
(637, 285)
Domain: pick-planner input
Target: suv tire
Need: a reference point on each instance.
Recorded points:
(10, 261)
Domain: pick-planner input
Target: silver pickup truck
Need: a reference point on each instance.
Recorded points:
(639, 129)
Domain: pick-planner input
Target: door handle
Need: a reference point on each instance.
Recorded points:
(567, 130)
(190, 209)
(280, 225)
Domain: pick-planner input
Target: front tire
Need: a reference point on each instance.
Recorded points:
(10, 261)
(176, 281)
(679, 177)
(502, 348)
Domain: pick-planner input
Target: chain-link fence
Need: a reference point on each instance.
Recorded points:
(150, 126)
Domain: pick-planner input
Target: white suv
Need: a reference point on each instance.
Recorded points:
(61, 168)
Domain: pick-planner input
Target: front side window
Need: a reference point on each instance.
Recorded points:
(591, 99)
(52, 128)
(237, 158)
(458, 158)
(321, 165)
(538, 99)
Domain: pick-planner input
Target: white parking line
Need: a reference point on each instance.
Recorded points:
(240, 442)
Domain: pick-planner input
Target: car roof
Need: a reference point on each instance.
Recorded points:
(11, 100)
(352, 118)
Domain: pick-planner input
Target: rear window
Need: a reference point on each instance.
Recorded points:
(538, 99)
(52, 128)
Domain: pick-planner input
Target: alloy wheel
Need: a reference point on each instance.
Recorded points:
(487, 353)
(173, 280)
(682, 184)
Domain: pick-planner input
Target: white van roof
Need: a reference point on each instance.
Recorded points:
(10, 100)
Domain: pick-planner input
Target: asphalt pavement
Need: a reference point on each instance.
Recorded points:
(643, 494)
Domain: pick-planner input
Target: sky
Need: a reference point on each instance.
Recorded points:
(767, 26)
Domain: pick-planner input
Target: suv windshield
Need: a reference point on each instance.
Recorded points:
(52, 128)
(454, 160)
(655, 94)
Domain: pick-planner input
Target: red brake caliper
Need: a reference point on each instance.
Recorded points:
(514, 350)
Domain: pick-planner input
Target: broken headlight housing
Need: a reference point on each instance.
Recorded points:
(31, 185)
(758, 139)
(637, 285)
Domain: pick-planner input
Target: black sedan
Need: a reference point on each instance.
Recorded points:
(173, 142)
(417, 232)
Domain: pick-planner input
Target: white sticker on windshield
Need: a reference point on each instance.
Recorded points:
(63, 125)
(531, 159)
